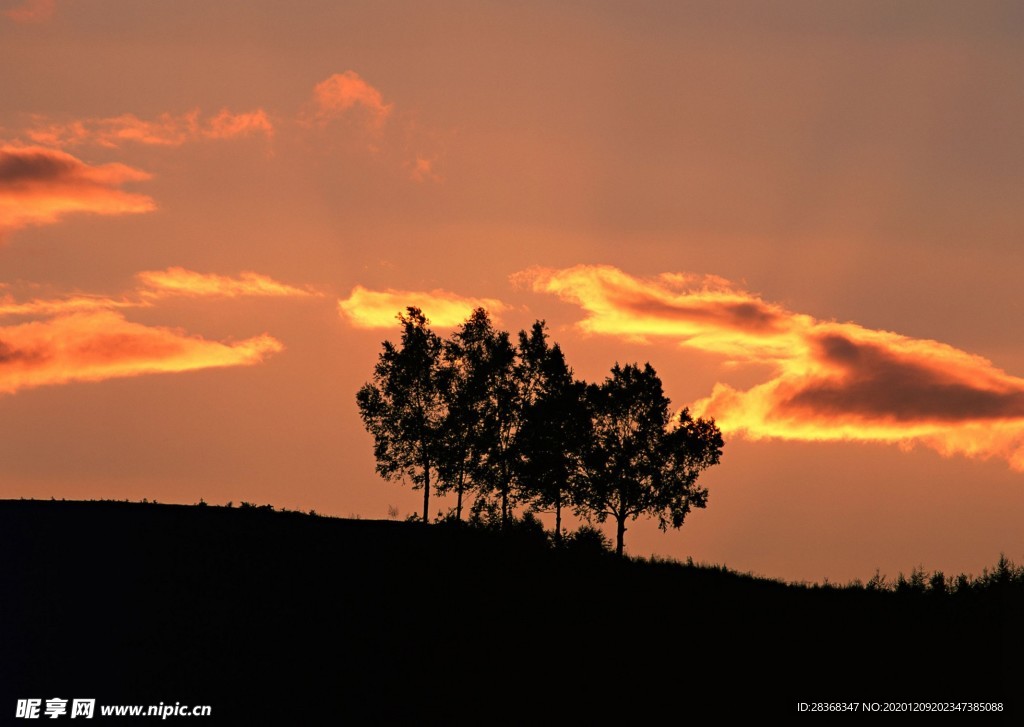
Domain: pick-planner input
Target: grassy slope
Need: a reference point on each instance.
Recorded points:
(282, 618)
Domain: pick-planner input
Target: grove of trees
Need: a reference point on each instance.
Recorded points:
(476, 415)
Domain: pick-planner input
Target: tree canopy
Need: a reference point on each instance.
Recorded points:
(477, 360)
(405, 406)
(555, 429)
(638, 461)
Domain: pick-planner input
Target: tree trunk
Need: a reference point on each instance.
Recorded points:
(426, 490)
(620, 533)
(504, 506)
(458, 506)
(558, 520)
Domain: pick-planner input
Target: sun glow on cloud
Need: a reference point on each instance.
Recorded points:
(379, 308)
(101, 345)
(39, 186)
(830, 382)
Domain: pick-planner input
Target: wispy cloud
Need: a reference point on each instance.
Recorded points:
(31, 11)
(10, 307)
(378, 308)
(179, 281)
(228, 125)
(164, 130)
(93, 346)
(155, 285)
(422, 170)
(830, 381)
(344, 107)
(347, 101)
(341, 93)
(39, 186)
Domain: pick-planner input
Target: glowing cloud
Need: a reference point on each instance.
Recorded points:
(164, 130)
(103, 345)
(703, 312)
(342, 92)
(38, 186)
(179, 281)
(831, 381)
(378, 308)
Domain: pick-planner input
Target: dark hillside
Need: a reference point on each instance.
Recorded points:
(283, 618)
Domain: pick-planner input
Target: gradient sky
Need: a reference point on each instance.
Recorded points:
(806, 216)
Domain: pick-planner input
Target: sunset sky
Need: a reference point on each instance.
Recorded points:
(807, 215)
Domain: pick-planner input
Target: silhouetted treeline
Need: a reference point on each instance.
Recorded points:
(282, 618)
(508, 425)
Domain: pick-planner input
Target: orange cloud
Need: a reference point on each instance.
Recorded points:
(32, 11)
(86, 339)
(39, 186)
(378, 308)
(164, 130)
(179, 281)
(103, 345)
(342, 92)
(830, 381)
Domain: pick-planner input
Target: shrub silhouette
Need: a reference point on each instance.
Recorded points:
(589, 540)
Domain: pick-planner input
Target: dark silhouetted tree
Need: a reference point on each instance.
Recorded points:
(492, 408)
(404, 407)
(464, 442)
(555, 426)
(638, 462)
